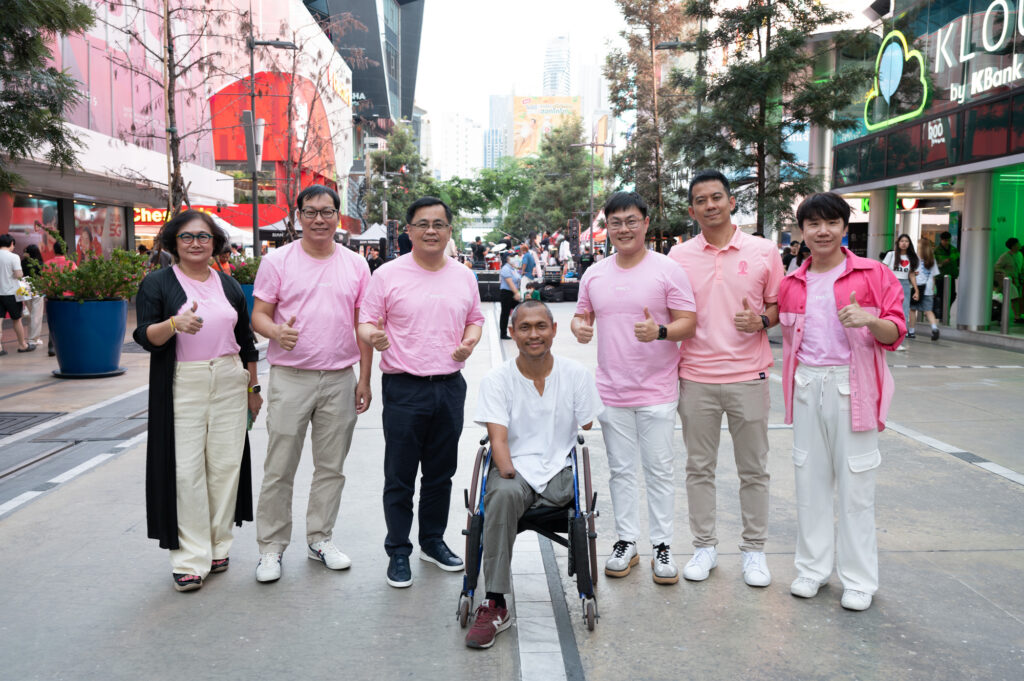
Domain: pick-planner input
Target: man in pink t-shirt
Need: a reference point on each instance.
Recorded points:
(839, 315)
(422, 312)
(307, 297)
(724, 369)
(643, 305)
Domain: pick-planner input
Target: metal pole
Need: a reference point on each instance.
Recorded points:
(384, 210)
(1004, 318)
(257, 246)
(947, 284)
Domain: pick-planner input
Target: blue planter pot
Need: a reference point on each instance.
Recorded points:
(87, 336)
(247, 292)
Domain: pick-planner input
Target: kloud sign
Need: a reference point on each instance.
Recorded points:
(953, 47)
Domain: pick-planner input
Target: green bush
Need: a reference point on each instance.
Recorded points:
(245, 270)
(96, 278)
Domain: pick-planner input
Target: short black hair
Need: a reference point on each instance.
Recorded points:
(823, 206)
(315, 190)
(6, 240)
(529, 304)
(945, 235)
(58, 248)
(426, 202)
(1012, 241)
(707, 176)
(620, 201)
(169, 233)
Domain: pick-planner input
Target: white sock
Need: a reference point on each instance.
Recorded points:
(934, 326)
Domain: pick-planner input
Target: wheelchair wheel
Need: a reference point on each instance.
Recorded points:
(465, 603)
(474, 534)
(579, 556)
(591, 503)
(474, 482)
(590, 613)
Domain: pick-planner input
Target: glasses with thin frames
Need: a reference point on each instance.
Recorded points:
(325, 213)
(188, 237)
(423, 225)
(630, 224)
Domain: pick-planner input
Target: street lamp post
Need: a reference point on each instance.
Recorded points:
(592, 145)
(252, 44)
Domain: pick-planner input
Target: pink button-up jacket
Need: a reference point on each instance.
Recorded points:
(878, 292)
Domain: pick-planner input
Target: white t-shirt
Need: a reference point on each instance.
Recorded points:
(902, 269)
(926, 278)
(541, 428)
(9, 262)
(564, 252)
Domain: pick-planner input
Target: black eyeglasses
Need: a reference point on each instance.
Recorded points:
(325, 213)
(189, 237)
(423, 225)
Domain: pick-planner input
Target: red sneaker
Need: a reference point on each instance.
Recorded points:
(489, 620)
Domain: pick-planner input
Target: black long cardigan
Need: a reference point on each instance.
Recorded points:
(161, 296)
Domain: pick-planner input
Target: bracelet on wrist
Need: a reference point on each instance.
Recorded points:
(174, 329)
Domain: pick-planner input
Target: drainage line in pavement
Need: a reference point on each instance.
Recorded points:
(566, 637)
(28, 390)
(45, 455)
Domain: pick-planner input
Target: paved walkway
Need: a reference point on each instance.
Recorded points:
(87, 596)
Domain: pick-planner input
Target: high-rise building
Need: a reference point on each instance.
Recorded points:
(495, 143)
(458, 146)
(556, 68)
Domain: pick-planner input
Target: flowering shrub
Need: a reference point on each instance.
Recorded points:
(116, 277)
(245, 270)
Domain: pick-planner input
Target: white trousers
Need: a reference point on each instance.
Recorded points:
(827, 454)
(35, 308)
(641, 435)
(210, 404)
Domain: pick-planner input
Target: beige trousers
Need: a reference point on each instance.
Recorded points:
(745, 404)
(296, 399)
(210, 403)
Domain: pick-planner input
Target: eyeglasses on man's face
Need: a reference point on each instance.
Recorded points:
(630, 224)
(188, 237)
(436, 225)
(325, 213)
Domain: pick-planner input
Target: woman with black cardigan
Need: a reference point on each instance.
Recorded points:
(202, 382)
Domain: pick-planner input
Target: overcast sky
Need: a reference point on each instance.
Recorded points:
(471, 49)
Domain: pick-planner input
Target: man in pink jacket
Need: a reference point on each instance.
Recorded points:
(839, 314)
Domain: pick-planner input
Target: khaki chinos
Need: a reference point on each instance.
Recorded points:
(745, 404)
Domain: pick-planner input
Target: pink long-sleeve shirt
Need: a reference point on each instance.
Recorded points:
(878, 292)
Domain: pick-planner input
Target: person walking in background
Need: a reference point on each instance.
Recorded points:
(947, 256)
(202, 365)
(839, 313)
(791, 252)
(404, 242)
(529, 267)
(643, 306)
(222, 263)
(479, 253)
(60, 261)
(10, 276)
(724, 369)
(797, 260)
(307, 298)
(1008, 266)
(904, 262)
(927, 274)
(509, 290)
(374, 260)
(422, 312)
(31, 264)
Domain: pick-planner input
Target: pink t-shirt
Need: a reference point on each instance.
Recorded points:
(217, 337)
(748, 267)
(425, 314)
(322, 295)
(825, 343)
(631, 373)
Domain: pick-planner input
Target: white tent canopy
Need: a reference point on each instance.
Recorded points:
(235, 235)
(374, 234)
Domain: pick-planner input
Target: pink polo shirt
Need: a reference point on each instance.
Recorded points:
(748, 267)
(217, 337)
(322, 295)
(425, 314)
(631, 373)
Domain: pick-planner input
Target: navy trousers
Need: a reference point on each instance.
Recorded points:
(422, 424)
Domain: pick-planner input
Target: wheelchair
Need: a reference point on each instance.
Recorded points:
(574, 522)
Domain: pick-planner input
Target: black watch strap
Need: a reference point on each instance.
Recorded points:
(662, 332)
(764, 320)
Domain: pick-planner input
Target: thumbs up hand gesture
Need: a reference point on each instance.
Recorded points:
(747, 320)
(188, 321)
(647, 330)
(583, 327)
(379, 339)
(287, 335)
(853, 316)
(464, 350)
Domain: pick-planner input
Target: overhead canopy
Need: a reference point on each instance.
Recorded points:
(374, 234)
(236, 235)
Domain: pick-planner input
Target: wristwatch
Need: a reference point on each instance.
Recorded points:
(254, 388)
(764, 320)
(662, 332)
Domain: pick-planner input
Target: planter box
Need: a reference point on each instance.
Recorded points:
(247, 292)
(87, 336)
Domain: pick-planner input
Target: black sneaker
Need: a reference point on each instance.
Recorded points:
(399, 574)
(935, 334)
(440, 555)
(911, 334)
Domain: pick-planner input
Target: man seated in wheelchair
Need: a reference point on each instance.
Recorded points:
(533, 407)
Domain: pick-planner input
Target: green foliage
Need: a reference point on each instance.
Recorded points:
(403, 187)
(96, 278)
(245, 270)
(776, 85)
(34, 96)
(562, 177)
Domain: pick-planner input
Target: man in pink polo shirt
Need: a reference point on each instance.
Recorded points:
(422, 312)
(643, 306)
(307, 298)
(724, 369)
(839, 315)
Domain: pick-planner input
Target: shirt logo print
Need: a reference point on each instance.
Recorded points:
(742, 268)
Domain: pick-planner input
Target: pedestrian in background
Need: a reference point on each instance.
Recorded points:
(422, 312)
(32, 264)
(927, 274)
(1008, 266)
(724, 369)
(10, 279)
(839, 313)
(195, 324)
(529, 267)
(306, 302)
(509, 290)
(948, 258)
(903, 261)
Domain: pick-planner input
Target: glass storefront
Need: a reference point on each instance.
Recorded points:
(31, 218)
(99, 229)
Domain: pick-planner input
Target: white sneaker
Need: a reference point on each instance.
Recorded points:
(328, 554)
(855, 600)
(622, 560)
(662, 565)
(269, 567)
(755, 569)
(704, 560)
(804, 587)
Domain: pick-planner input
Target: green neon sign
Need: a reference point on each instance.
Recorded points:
(893, 55)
